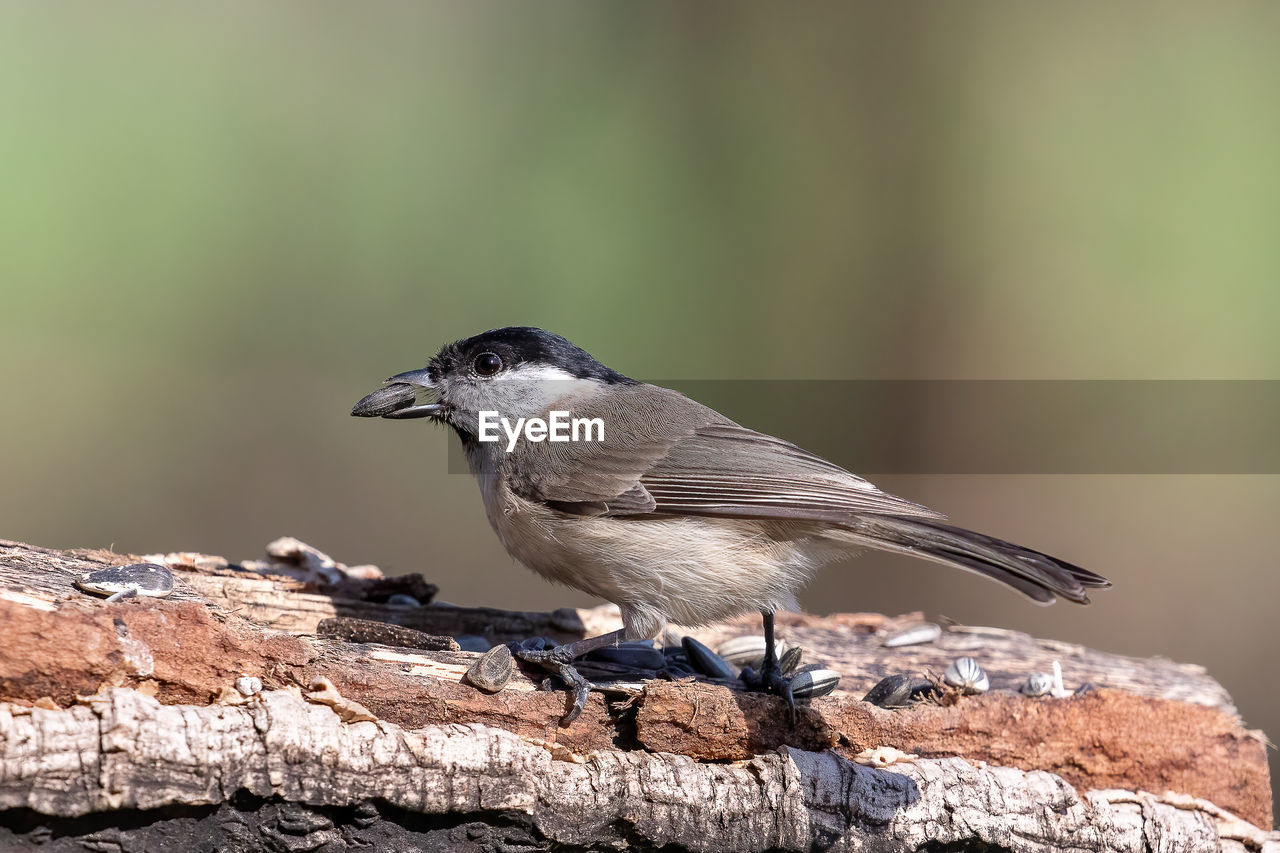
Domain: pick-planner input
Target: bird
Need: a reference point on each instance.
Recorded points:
(670, 510)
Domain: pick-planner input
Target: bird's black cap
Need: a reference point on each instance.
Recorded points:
(521, 345)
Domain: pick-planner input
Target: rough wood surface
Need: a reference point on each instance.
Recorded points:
(123, 750)
(138, 713)
(851, 643)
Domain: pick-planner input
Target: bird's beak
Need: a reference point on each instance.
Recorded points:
(398, 398)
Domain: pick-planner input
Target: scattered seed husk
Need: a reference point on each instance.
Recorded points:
(705, 661)
(921, 632)
(1038, 684)
(814, 682)
(898, 690)
(966, 674)
(492, 670)
(248, 685)
(747, 651)
(472, 643)
(790, 660)
(149, 579)
(630, 655)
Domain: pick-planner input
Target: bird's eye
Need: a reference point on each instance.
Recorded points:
(487, 364)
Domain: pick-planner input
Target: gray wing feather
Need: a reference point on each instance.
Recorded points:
(726, 469)
(672, 455)
(642, 423)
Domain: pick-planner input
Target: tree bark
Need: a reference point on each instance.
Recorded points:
(120, 726)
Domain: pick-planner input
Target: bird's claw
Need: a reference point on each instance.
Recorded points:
(772, 681)
(558, 664)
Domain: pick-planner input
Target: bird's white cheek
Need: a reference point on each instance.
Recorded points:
(515, 399)
(535, 373)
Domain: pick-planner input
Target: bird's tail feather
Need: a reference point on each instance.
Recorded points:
(1032, 573)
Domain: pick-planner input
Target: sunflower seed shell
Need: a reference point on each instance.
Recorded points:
(968, 675)
(747, 651)
(151, 579)
(1038, 684)
(492, 670)
(922, 632)
(814, 682)
(706, 661)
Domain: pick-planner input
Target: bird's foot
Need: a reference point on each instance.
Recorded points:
(559, 662)
(771, 680)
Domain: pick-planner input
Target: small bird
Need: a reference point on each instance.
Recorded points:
(670, 510)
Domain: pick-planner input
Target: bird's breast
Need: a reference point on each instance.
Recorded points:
(692, 570)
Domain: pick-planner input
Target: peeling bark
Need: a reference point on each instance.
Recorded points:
(122, 750)
(119, 728)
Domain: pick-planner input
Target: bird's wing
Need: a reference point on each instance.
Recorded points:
(602, 477)
(728, 470)
(678, 457)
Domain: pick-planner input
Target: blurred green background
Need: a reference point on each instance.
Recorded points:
(222, 224)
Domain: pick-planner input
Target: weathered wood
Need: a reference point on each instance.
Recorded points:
(853, 644)
(1168, 727)
(1103, 739)
(123, 750)
(850, 643)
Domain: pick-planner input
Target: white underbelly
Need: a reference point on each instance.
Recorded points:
(686, 570)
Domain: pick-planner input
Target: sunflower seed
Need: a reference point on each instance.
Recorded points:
(386, 400)
(897, 691)
(248, 685)
(966, 674)
(492, 670)
(814, 682)
(632, 655)
(921, 632)
(748, 651)
(534, 644)
(1038, 684)
(706, 661)
(790, 661)
(472, 643)
(149, 579)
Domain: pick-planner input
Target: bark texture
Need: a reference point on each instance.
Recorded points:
(120, 729)
(123, 750)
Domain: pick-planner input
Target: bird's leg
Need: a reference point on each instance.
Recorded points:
(771, 679)
(559, 660)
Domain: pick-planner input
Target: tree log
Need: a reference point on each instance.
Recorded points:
(119, 726)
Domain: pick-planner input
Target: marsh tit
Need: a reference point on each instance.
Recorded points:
(670, 510)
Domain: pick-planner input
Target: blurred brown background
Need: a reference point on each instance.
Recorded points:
(222, 224)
